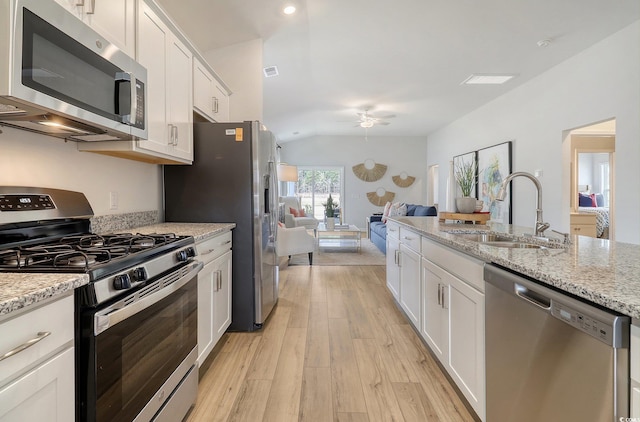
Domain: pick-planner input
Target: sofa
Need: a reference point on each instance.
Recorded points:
(378, 229)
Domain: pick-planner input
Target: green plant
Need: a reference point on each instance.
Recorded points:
(465, 175)
(330, 207)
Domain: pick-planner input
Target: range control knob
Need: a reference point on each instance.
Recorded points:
(191, 252)
(139, 274)
(121, 282)
(182, 255)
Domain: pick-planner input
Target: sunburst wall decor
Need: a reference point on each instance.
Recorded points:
(380, 197)
(403, 180)
(369, 171)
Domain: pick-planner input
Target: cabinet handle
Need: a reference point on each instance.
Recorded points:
(439, 295)
(40, 336)
(408, 238)
(91, 7)
(215, 105)
(219, 280)
(444, 303)
(396, 258)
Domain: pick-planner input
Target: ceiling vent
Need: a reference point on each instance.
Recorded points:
(270, 71)
(486, 79)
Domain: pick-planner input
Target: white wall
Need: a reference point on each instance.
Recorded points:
(400, 154)
(601, 83)
(29, 159)
(240, 67)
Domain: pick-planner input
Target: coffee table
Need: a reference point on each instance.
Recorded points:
(342, 238)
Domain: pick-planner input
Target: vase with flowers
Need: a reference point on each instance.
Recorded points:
(465, 175)
(330, 212)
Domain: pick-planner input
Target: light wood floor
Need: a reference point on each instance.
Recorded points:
(336, 348)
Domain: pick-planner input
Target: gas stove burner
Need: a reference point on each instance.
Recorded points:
(74, 260)
(81, 261)
(15, 261)
(85, 241)
(145, 242)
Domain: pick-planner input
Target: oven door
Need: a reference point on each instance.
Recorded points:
(135, 346)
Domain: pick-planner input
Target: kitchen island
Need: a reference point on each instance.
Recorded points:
(604, 272)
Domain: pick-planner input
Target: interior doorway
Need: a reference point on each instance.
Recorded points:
(591, 160)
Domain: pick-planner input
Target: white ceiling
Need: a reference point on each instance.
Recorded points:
(402, 57)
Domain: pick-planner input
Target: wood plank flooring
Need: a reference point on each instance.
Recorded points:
(336, 348)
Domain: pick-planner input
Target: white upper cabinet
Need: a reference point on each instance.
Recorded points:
(210, 98)
(169, 88)
(113, 19)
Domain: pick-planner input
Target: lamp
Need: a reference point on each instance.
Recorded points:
(287, 173)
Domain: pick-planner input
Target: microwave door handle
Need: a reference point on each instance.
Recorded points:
(118, 312)
(133, 97)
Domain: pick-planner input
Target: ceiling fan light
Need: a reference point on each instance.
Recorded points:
(366, 123)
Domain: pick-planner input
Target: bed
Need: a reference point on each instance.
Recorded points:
(586, 205)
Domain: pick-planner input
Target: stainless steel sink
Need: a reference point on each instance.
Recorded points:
(503, 241)
(484, 237)
(514, 244)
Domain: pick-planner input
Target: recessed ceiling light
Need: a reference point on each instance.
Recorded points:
(485, 79)
(289, 9)
(270, 71)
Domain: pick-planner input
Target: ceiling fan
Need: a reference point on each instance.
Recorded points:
(367, 120)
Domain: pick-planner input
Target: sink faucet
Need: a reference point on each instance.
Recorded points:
(540, 226)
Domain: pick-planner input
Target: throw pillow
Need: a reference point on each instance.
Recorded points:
(584, 200)
(385, 213)
(294, 212)
(594, 201)
(301, 213)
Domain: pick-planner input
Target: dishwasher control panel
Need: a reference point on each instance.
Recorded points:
(583, 322)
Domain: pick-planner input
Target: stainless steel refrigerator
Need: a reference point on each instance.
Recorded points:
(233, 180)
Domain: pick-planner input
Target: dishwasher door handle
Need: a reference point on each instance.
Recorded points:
(532, 297)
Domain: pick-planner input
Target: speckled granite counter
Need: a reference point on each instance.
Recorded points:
(604, 272)
(20, 290)
(199, 231)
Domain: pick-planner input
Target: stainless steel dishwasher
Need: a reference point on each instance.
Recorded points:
(551, 357)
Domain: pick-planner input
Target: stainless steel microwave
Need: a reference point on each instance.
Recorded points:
(59, 77)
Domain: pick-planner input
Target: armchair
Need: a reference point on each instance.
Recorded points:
(292, 202)
(295, 241)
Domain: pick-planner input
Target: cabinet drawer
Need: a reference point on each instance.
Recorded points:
(393, 230)
(583, 230)
(212, 248)
(588, 219)
(410, 239)
(55, 318)
(465, 267)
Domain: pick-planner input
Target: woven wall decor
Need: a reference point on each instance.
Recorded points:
(380, 197)
(369, 171)
(403, 180)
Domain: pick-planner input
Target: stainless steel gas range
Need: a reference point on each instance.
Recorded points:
(136, 320)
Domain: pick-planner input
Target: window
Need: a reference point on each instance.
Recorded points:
(314, 186)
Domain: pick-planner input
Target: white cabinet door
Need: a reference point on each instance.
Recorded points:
(203, 82)
(113, 19)
(393, 268)
(179, 99)
(435, 321)
(222, 297)
(206, 282)
(153, 37)
(220, 103)
(46, 393)
(410, 299)
(466, 342)
(214, 303)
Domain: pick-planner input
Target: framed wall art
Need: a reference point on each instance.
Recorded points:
(494, 165)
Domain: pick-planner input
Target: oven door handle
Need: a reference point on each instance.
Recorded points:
(120, 310)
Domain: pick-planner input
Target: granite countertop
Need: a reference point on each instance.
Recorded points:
(18, 290)
(199, 231)
(601, 271)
